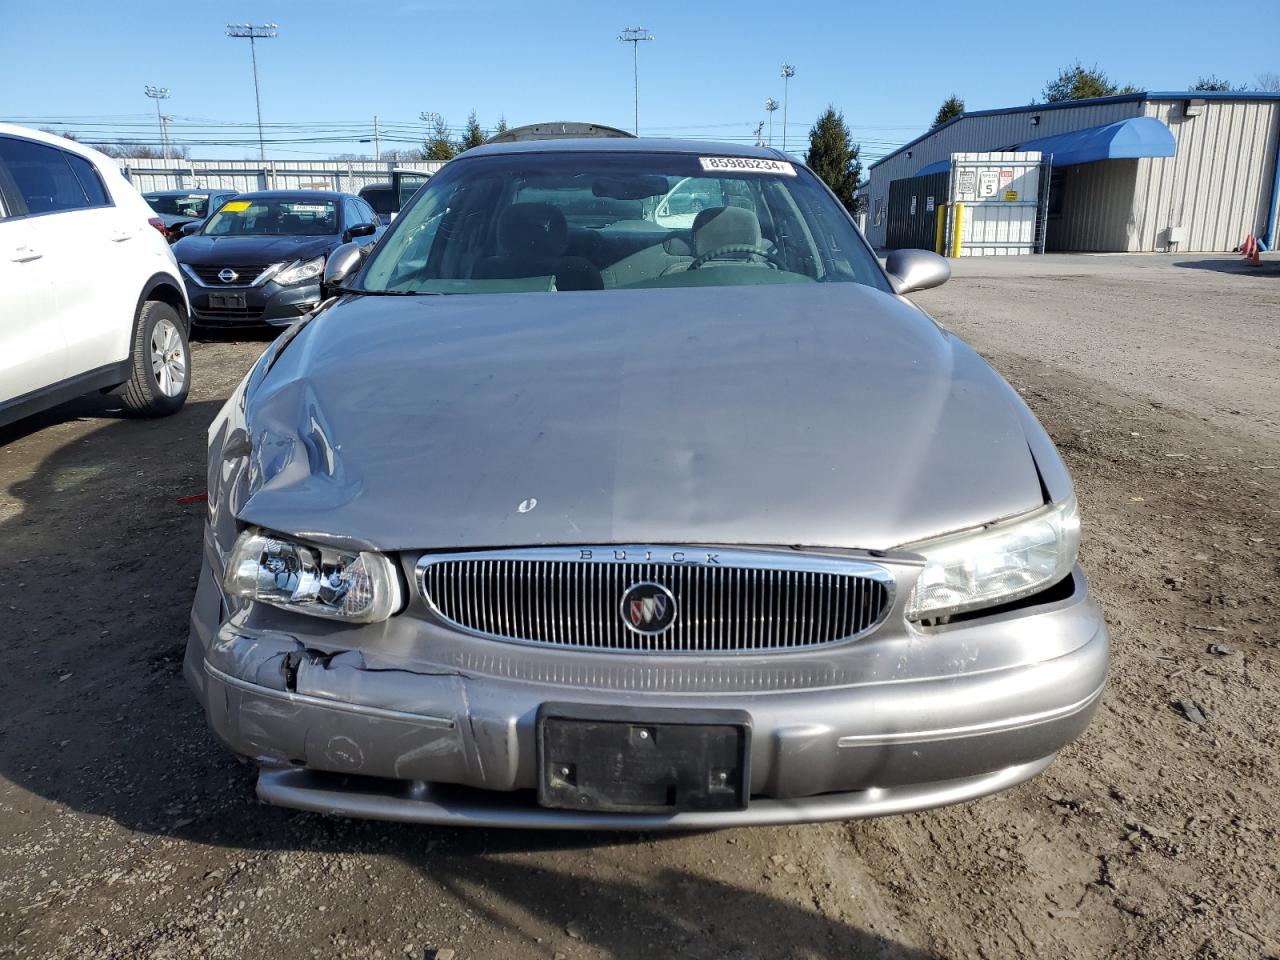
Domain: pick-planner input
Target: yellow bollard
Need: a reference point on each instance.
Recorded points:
(940, 242)
(956, 227)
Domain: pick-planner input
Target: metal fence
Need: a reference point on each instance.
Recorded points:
(347, 176)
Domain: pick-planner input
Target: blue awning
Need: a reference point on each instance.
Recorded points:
(1122, 140)
(942, 166)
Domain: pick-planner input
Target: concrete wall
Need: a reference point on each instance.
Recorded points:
(1218, 185)
(247, 175)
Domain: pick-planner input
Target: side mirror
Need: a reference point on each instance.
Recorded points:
(361, 230)
(342, 263)
(911, 270)
(189, 228)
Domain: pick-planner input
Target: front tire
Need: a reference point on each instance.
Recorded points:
(161, 361)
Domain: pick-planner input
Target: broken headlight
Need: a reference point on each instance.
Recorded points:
(995, 564)
(356, 586)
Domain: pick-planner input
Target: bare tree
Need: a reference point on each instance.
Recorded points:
(1268, 82)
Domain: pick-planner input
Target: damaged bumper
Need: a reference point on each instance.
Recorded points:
(444, 729)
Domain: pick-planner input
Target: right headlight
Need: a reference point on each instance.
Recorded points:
(300, 271)
(995, 564)
(356, 586)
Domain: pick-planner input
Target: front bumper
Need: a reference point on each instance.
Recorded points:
(269, 303)
(341, 731)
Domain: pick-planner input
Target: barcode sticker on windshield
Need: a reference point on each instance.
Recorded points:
(308, 207)
(746, 165)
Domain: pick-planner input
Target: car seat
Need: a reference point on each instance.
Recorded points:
(533, 241)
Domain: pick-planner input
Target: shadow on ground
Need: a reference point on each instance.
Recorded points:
(101, 560)
(1268, 268)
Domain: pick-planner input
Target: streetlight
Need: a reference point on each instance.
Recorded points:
(633, 36)
(252, 32)
(788, 71)
(771, 105)
(760, 134)
(157, 94)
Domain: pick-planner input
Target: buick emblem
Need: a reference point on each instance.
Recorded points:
(227, 275)
(648, 608)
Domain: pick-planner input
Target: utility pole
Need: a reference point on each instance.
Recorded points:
(771, 105)
(157, 94)
(788, 71)
(377, 140)
(760, 134)
(254, 32)
(633, 36)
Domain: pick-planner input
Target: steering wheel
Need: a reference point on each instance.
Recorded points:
(767, 255)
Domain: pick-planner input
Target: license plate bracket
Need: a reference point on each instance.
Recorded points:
(227, 301)
(638, 760)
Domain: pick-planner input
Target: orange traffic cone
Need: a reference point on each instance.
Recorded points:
(1250, 250)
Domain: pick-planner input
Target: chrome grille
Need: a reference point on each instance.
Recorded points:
(245, 273)
(725, 601)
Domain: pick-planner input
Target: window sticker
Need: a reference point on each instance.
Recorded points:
(746, 165)
(236, 206)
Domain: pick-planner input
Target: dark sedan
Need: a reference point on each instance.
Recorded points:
(177, 208)
(261, 257)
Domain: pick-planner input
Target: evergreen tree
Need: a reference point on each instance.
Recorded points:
(439, 145)
(501, 127)
(833, 155)
(1078, 82)
(474, 135)
(953, 106)
(1212, 84)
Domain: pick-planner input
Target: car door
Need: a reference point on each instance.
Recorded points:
(32, 348)
(105, 239)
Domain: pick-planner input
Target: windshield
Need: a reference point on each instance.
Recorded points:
(193, 206)
(275, 217)
(585, 221)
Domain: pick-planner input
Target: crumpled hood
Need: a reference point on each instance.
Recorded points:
(205, 251)
(821, 415)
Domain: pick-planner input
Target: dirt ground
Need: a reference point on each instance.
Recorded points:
(125, 831)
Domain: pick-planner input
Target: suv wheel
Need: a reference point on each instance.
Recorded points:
(161, 363)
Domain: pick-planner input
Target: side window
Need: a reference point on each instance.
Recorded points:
(89, 180)
(366, 213)
(42, 176)
(352, 214)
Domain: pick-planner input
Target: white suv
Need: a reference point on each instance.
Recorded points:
(90, 295)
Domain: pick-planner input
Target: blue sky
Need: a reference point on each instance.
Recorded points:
(336, 64)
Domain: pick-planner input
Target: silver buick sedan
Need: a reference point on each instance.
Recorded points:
(621, 488)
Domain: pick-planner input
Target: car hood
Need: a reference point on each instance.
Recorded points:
(205, 251)
(822, 415)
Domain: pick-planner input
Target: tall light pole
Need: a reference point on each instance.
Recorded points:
(788, 71)
(253, 32)
(157, 94)
(771, 105)
(633, 36)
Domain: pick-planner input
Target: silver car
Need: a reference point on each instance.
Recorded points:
(572, 510)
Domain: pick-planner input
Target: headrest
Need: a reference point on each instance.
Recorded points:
(533, 230)
(718, 227)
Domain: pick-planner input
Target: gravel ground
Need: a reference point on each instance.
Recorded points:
(125, 831)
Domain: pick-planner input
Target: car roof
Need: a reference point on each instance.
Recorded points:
(296, 195)
(706, 148)
(193, 192)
